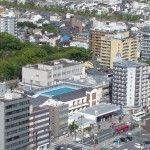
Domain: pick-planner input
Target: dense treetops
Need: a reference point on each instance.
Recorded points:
(15, 53)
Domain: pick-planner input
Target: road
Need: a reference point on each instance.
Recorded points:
(102, 136)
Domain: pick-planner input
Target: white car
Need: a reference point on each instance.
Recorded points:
(77, 139)
(86, 136)
(138, 145)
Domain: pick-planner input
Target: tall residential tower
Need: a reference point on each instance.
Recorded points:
(145, 43)
(106, 40)
(8, 23)
(131, 85)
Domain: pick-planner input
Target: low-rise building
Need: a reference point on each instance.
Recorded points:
(77, 97)
(97, 114)
(79, 44)
(101, 83)
(49, 73)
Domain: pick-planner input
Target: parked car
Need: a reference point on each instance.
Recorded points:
(86, 136)
(123, 139)
(129, 138)
(147, 142)
(78, 140)
(138, 145)
(59, 148)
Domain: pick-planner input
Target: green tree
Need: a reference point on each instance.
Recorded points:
(73, 126)
(49, 28)
(26, 24)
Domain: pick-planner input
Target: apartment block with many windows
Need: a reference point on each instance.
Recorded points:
(145, 43)
(131, 85)
(109, 39)
(14, 124)
(8, 23)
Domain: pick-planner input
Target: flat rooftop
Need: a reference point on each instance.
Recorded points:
(9, 96)
(124, 63)
(61, 62)
(111, 27)
(89, 81)
(99, 110)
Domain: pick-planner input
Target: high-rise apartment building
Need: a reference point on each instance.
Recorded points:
(131, 85)
(107, 40)
(145, 43)
(14, 122)
(8, 23)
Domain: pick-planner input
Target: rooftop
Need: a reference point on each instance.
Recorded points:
(9, 96)
(72, 95)
(99, 110)
(62, 62)
(124, 63)
(52, 102)
(89, 81)
(111, 27)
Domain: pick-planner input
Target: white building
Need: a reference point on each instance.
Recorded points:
(8, 23)
(79, 44)
(131, 84)
(49, 73)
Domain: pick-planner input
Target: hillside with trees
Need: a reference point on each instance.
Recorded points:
(15, 53)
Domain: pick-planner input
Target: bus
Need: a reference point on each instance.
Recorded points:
(138, 116)
(122, 128)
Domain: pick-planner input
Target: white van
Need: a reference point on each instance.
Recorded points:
(138, 145)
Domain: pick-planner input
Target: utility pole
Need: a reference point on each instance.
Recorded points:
(81, 117)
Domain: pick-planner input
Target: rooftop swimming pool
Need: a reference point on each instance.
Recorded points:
(57, 90)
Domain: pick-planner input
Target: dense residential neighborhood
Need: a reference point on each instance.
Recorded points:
(75, 75)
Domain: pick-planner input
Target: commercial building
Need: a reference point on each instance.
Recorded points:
(76, 97)
(145, 43)
(100, 112)
(106, 40)
(48, 120)
(101, 83)
(49, 73)
(131, 85)
(14, 122)
(8, 23)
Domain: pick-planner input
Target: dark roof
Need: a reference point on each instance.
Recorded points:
(72, 95)
(38, 100)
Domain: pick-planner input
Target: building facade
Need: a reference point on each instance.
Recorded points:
(49, 73)
(131, 85)
(48, 120)
(145, 43)
(107, 40)
(39, 129)
(58, 117)
(8, 23)
(14, 124)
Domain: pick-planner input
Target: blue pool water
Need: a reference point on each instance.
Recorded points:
(58, 91)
